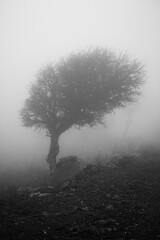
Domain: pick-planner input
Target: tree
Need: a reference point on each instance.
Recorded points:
(129, 112)
(80, 90)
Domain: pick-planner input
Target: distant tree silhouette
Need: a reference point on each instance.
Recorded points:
(80, 90)
(129, 112)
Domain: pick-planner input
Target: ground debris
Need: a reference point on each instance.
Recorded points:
(99, 203)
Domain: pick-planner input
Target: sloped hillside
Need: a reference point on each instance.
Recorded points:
(119, 201)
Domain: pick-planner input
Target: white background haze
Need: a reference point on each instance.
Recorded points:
(35, 32)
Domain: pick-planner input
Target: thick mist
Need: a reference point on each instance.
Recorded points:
(34, 33)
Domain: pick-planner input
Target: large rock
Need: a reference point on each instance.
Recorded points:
(67, 168)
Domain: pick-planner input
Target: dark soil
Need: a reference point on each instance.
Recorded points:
(102, 202)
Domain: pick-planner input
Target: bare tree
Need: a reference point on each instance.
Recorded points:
(80, 90)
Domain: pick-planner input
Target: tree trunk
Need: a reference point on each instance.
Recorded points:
(53, 152)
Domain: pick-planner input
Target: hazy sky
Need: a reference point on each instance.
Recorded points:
(34, 32)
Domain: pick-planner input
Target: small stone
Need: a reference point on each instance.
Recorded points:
(115, 197)
(45, 213)
(58, 214)
(102, 222)
(109, 207)
(65, 184)
(73, 190)
(109, 229)
(110, 220)
(108, 195)
(85, 208)
(38, 194)
(44, 194)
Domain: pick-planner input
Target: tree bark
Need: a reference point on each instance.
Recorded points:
(53, 152)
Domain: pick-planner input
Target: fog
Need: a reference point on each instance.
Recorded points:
(35, 32)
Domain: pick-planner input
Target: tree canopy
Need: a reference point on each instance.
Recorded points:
(81, 89)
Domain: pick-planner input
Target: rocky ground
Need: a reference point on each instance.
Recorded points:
(116, 201)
